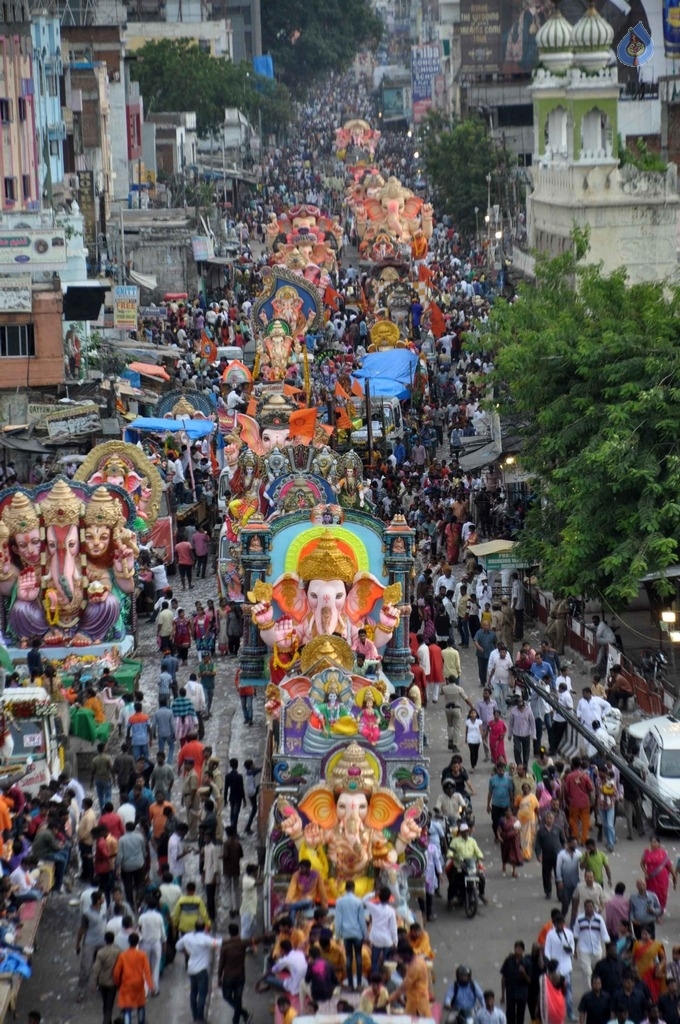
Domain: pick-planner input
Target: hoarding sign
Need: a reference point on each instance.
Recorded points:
(74, 421)
(44, 247)
(392, 104)
(16, 295)
(125, 305)
(425, 66)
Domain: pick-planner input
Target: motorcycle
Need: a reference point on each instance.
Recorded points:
(468, 886)
(459, 1017)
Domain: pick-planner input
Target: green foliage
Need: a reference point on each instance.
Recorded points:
(177, 75)
(638, 155)
(458, 159)
(308, 40)
(593, 375)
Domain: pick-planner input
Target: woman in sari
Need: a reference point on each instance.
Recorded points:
(497, 732)
(553, 1000)
(527, 813)
(649, 958)
(658, 870)
(452, 533)
(428, 628)
(508, 836)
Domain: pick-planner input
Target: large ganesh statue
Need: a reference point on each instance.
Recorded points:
(394, 211)
(67, 564)
(349, 826)
(304, 226)
(356, 141)
(326, 596)
(116, 462)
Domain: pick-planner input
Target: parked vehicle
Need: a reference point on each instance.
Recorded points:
(659, 753)
(35, 736)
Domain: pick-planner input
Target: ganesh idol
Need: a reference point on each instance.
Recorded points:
(327, 596)
(349, 827)
(20, 578)
(109, 555)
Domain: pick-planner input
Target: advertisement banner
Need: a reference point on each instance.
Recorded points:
(74, 421)
(392, 103)
(44, 247)
(86, 201)
(425, 66)
(16, 295)
(125, 304)
(203, 248)
(671, 28)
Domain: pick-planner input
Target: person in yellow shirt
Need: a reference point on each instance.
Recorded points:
(374, 997)
(334, 952)
(420, 941)
(306, 888)
(285, 930)
(188, 910)
(286, 1009)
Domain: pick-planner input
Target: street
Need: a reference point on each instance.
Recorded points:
(516, 909)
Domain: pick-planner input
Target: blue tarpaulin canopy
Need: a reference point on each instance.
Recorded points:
(382, 387)
(398, 364)
(194, 429)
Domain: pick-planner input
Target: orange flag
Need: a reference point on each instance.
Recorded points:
(357, 388)
(290, 389)
(342, 420)
(332, 298)
(252, 408)
(437, 321)
(327, 428)
(302, 423)
(363, 301)
(340, 392)
(424, 273)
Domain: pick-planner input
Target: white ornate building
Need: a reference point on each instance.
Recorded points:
(576, 176)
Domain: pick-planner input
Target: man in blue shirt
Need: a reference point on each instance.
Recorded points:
(350, 928)
(542, 671)
(500, 795)
(464, 994)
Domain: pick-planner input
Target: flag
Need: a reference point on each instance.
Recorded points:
(340, 392)
(357, 388)
(342, 420)
(363, 302)
(332, 298)
(290, 389)
(424, 273)
(327, 428)
(302, 423)
(252, 408)
(437, 321)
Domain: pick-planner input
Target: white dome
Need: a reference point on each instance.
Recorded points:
(592, 32)
(555, 33)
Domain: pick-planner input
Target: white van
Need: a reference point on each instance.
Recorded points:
(659, 740)
(37, 738)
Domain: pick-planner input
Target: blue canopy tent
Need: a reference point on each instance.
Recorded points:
(398, 364)
(383, 387)
(194, 429)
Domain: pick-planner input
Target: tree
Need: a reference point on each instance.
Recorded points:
(308, 40)
(591, 369)
(458, 159)
(177, 75)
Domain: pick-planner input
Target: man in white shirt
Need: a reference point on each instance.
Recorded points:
(23, 882)
(560, 946)
(591, 936)
(565, 700)
(446, 580)
(200, 948)
(152, 938)
(294, 962)
(423, 656)
(235, 401)
(383, 933)
(499, 674)
(196, 694)
(591, 709)
(176, 853)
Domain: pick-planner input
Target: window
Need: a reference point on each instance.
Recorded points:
(17, 340)
(52, 85)
(54, 147)
(5, 111)
(10, 190)
(26, 186)
(21, 108)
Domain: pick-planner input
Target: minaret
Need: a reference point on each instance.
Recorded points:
(576, 175)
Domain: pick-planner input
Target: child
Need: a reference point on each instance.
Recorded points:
(473, 737)
(285, 1008)
(486, 616)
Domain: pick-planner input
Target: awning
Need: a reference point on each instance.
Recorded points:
(194, 429)
(492, 547)
(498, 555)
(150, 370)
(22, 444)
(482, 457)
(148, 281)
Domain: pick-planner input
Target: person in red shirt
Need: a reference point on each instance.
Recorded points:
(201, 545)
(578, 787)
(436, 677)
(193, 750)
(185, 562)
(419, 680)
(112, 822)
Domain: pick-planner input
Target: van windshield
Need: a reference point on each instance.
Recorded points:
(670, 764)
(29, 738)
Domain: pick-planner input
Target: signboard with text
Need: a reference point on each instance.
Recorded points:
(499, 36)
(74, 421)
(44, 247)
(125, 306)
(203, 248)
(86, 202)
(16, 294)
(425, 66)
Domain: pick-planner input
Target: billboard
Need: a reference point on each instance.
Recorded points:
(45, 247)
(393, 103)
(125, 304)
(425, 66)
(499, 36)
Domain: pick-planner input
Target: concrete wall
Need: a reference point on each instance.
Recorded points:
(168, 257)
(119, 140)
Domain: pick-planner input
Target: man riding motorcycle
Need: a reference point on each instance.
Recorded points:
(463, 847)
(464, 996)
